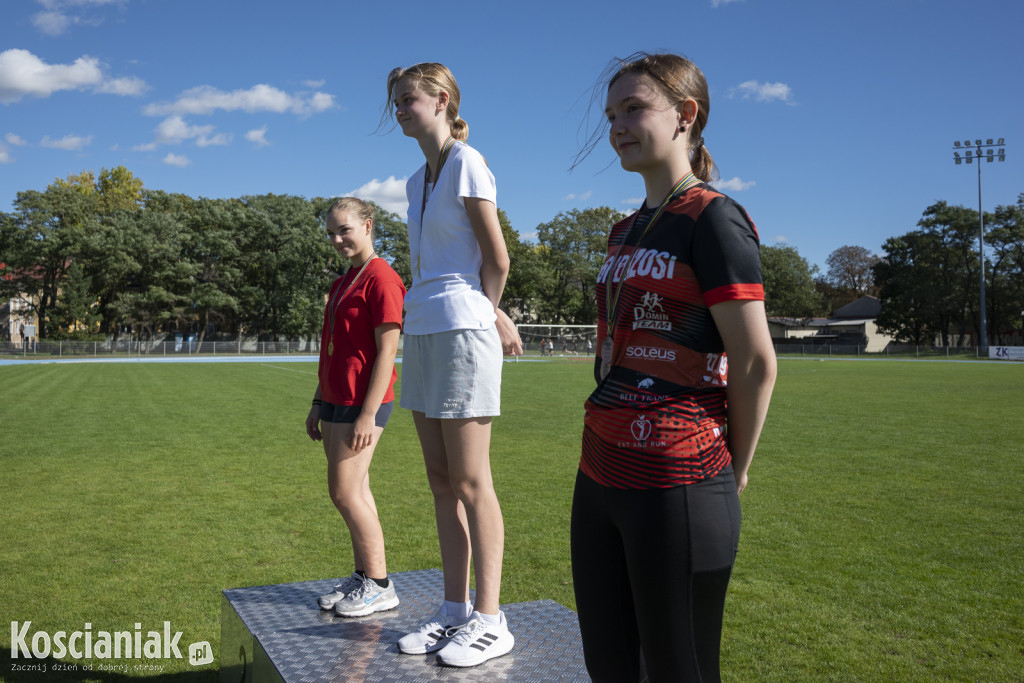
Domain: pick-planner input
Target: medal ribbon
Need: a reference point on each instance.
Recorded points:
(443, 157)
(332, 309)
(684, 184)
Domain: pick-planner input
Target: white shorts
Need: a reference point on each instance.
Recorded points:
(452, 375)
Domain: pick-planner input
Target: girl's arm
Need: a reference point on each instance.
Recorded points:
(386, 337)
(751, 356)
(483, 216)
(313, 419)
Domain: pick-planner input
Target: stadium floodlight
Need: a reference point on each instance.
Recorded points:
(986, 151)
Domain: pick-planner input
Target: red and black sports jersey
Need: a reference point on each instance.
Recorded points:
(658, 419)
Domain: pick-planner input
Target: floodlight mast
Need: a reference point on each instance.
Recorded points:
(991, 155)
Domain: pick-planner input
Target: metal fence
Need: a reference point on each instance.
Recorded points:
(142, 348)
(311, 347)
(890, 351)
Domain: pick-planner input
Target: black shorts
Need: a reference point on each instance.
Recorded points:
(332, 412)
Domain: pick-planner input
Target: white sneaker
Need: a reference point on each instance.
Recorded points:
(367, 599)
(347, 585)
(432, 635)
(477, 641)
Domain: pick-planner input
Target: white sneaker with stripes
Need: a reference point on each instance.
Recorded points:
(477, 641)
(432, 635)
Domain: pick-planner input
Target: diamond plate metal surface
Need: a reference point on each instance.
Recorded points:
(305, 644)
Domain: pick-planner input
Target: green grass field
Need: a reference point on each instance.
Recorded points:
(882, 536)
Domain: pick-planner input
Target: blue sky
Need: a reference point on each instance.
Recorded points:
(831, 122)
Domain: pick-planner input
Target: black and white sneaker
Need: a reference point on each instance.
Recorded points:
(477, 641)
(432, 635)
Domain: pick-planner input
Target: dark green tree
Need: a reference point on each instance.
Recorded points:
(75, 315)
(46, 234)
(789, 290)
(573, 248)
(525, 275)
(286, 268)
(910, 308)
(1005, 273)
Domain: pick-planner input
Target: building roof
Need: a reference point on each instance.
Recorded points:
(865, 307)
(797, 322)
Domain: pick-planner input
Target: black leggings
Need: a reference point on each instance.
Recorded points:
(650, 570)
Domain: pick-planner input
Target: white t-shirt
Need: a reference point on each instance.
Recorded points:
(445, 254)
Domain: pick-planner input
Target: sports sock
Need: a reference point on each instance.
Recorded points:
(458, 610)
(383, 583)
(492, 619)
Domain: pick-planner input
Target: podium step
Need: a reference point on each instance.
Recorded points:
(278, 633)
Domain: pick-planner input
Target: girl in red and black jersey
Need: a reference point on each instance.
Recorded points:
(355, 397)
(685, 369)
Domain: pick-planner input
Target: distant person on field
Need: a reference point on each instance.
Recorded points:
(355, 397)
(451, 365)
(668, 435)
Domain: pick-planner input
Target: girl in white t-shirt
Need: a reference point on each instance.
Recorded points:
(455, 335)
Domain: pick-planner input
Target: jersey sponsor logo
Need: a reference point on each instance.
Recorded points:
(658, 265)
(717, 369)
(645, 383)
(650, 315)
(651, 353)
(641, 428)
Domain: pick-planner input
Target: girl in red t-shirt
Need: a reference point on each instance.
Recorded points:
(354, 398)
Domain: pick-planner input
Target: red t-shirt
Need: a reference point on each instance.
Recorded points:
(658, 419)
(374, 300)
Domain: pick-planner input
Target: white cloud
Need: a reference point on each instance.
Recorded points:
(314, 84)
(206, 99)
(15, 140)
(762, 92)
(257, 136)
(70, 143)
(58, 15)
(388, 194)
(320, 101)
(781, 239)
(5, 156)
(123, 86)
(634, 201)
(23, 74)
(174, 130)
(572, 196)
(719, 3)
(734, 184)
(51, 23)
(176, 160)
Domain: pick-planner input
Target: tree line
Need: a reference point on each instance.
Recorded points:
(928, 279)
(104, 255)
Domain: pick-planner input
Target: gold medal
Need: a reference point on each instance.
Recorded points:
(330, 348)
